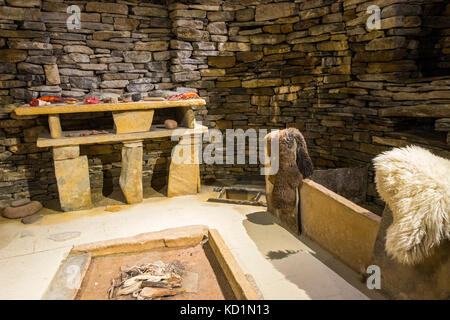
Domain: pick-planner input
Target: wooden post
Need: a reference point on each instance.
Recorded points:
(55, 125)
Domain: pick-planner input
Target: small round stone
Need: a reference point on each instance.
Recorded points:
(23, 211)
(170, 124)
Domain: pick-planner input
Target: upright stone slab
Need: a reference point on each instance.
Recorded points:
(184, 172)
(72, 176)
(185, 117)
(427, 280)
(55, 125)
(133, 121)
(131, 175)
(66, 152)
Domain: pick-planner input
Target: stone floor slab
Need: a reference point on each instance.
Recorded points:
(67, 280)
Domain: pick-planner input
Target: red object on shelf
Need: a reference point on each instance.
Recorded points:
(51, 99)
(34, 102)
(91, 100)
(42, 101)
(184, 96)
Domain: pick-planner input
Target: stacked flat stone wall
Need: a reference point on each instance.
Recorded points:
(310, 64)
(121, 47)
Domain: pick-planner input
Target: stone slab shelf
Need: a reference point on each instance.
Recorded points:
(156, 131)
(125, 106)
(130, 117)
(419, 111)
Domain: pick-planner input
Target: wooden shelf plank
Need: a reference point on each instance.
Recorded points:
(80, 107)
(157, 131)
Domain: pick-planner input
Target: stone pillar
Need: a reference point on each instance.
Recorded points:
(55, 126)
(131, 175)
(72, 177)
(184, 178)
(185, 117)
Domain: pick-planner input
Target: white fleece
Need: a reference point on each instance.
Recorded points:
(416, 186)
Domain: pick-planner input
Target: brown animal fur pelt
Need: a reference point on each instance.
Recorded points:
(304, 162)
(294, 164)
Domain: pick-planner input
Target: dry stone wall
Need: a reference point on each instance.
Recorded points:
(121, 47)
(310, 64)
(314, 65)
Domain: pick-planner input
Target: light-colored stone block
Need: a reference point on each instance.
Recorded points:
(338, 225)
(122, 106)
(59, 288)
(168, 238)
(69, 152)
(133, 121)
(45, 141)
(184, 178)
(54, 125)
(131, 175)
(72, 176)
(52, 74)
(185, 117)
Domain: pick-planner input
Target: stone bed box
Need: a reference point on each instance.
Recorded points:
(82, 256)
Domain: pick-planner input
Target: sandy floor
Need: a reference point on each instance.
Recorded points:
(282, 266)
